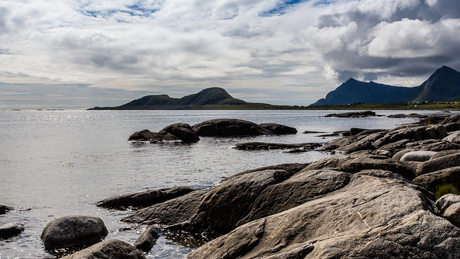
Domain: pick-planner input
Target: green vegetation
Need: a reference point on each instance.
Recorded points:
(445, 189)
(427, 105)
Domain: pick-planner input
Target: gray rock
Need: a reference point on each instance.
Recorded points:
(183, 131)
(275, 146)
(371, 217)
(446, 200)
(109, 249)
(4, 209)
(355, 165)
(329, 163)
(441, 131)
(278, 128)
(419, 156)
(146, 240)
(361, 142)
(382, 174)
(143, 199)
(168, 213)
(445, 153)
(453, 137)
(229, 128)
(73, 231)
(438, 164)
(291, 168)
(399, 154)
(452, 213)
(11, 230)
(431, 181)
(452, 126)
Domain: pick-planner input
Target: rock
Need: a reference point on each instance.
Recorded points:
(453, 137)
(438, 164)
(419, 156)
(275, 146)
(153, 137)
(4, 209)
(229, 128)
(11, 230)
(109, 249)
(356, 131)
(395, 147)
(329, 163)
(433, 145)
(352, 114)
(278, 128)
(382, 174)
(143, 199)
(146, 240)
(168, 213)
(376, 162)
(446, 200)
(371, 217)
(441, 131)
(183, 131)
(225, 205)
(445, 153)
(452, 126)
(292, 169)
(300, 188)
(312, 132)
(361, 143)
(407, 115)
(431, 181)
(399, 154)
(73, 231)
(452, 213)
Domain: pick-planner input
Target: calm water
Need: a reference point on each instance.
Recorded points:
(58, 163)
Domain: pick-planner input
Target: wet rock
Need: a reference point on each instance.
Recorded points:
(143, 199)
(438, 164)
(278, 128)
(11, 230)
(182, 131)
(452, 213)
(446, 200)
(407, 115)
(153, 137)
(229, 128)
(146, 240)
(109, 249)
(73, 231)
(4, 209)
(168, 213)
(352, 114)
(431, 181)
(371, 217)
(275, 146)
(419, 156)
(312, 132)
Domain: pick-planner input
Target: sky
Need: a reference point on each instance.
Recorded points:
(76, 54)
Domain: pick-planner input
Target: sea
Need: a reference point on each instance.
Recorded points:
(55, 163)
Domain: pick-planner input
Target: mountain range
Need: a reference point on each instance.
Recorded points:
(442, 85)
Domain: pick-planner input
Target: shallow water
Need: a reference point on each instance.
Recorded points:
(58, 163)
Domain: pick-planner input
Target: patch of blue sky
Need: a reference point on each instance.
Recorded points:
(133, 10)
(324, 2)
(283, 7)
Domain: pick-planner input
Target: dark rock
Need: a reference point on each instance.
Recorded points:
(329, 163)
(450, 127)
(4, 209)
(143, 199)
(146, 240)
(300, 188)
(275, 146)
(438, 164)
(433, 145)
(170, 212)
(356, 131)
(312, 132)
(446, 200)
(183, 131)
(290, 168)
(419, 156)
(352, 114)
(445, 153)
(153, 137)
(407, 115)
(226, 204)
(451, 119)
(109, 249)
(431, 181)
(278, 128)
(395, 147)
(362, 142)
(371, 217)
(11, 230)
(73, 231)
(229, 128)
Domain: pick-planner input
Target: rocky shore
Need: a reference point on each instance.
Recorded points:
(387, 194)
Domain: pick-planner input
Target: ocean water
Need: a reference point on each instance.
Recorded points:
(59, 163)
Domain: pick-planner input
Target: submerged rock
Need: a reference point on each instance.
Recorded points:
(109, 249)
(352, 114)
(275, 146)
(182, 131)
(278, 128)
(146, 240)
(11, 230)
(4, 209)
(73, 231)
(229, 128)
(153, 137)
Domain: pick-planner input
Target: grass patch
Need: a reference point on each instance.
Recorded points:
(445, 189)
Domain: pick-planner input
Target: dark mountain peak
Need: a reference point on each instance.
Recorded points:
(208, 96)
(351, 80)
(442, 85)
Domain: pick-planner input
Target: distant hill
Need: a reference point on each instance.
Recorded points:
(210, 98)
(443, 85)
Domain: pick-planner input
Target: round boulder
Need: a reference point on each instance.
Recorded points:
(11, 230)
(229, 128)
(73, 231)
(419, 156)
(146, 240)
(108, 249)
(452, 213)
(278, 128)
(182, 131)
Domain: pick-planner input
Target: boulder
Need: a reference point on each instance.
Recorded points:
(362, 142)
(382, 174)
(278, 128)
(168, 213)
(399, 154)
(431, 181)
(226, 204)
(419, 156)
(4, 209)
(291, 168)
(329, 163)
(352, 114)
(229, 128)
(109, 249)
(452, 213)
(438, 164)
(153, 137)
(445, 153)
(143, 199)
(407, 115)
(453, 137)
(72, 231)
(446, 200)
(275, 146)
(183, 131)
(146, 240)
(11, 230)
(357, 164)
(452, 126)
(371, 217)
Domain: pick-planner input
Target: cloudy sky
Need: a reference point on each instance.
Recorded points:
(85, 53)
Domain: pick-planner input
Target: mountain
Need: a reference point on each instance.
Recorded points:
(443, 85)
(354, 91)
(210, 98)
